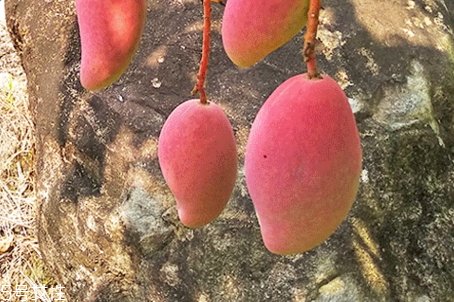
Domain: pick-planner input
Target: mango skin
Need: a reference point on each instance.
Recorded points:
(198, 158)
(253, 29)
(302, 164)
(110, 32)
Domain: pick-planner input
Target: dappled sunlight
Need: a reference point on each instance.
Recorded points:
(367, 253)
(157, 56)
(422, 29)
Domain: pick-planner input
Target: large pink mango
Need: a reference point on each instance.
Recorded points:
(252, 29)
(303, 162)
(198, 158)
(110, 32)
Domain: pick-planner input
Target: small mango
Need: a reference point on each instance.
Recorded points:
(253, 29)
(110, 32)
(198, 158)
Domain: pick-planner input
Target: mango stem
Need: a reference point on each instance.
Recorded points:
(310, 39)
(203, 67)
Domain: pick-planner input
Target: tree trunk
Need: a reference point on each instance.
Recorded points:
(107, 222)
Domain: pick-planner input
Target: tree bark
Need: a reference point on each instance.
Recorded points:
(107, 223)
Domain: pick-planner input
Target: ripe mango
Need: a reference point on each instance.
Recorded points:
(253, 29)
(198, 158)
(110, 32)
(302, 164)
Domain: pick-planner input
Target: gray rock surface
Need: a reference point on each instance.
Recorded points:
(107, 224)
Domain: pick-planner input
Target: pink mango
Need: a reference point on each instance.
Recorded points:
(253, 29)
(302, 164)
(198, 158)
(110, 32)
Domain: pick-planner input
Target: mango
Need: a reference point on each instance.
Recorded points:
(253, 29)
(110, 32)
(302, 163)
(198, 159)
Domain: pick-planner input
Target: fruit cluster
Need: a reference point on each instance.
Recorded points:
(303, 155)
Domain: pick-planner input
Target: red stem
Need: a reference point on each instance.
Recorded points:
(310, 39)
(200, 86)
